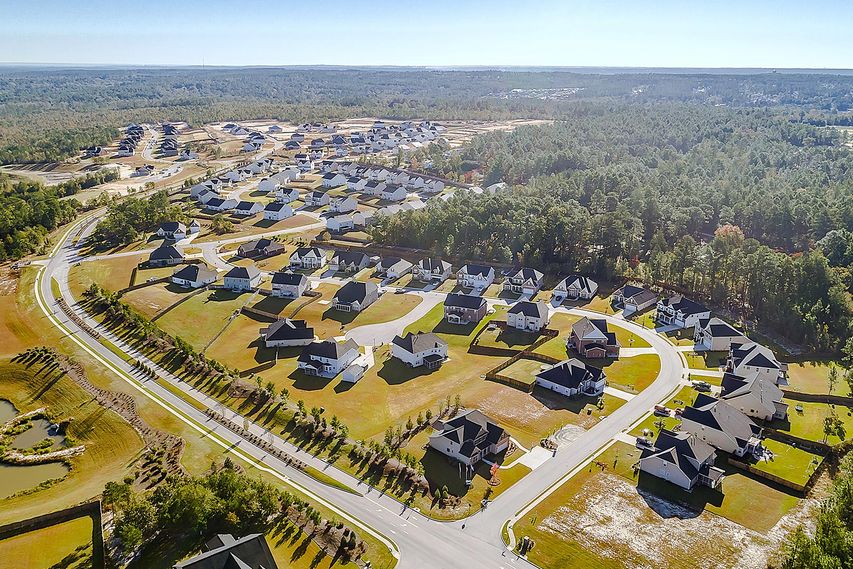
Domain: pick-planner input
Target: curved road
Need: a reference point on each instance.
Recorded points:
(416, 539)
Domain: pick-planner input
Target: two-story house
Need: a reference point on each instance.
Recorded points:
(416, 350)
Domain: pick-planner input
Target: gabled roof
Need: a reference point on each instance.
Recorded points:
(308, 252)
(262, 244)
(327, 349)
(527, 274)
(250, 552)
(287, 329)
(580, 282)
(417, 343)
(464, 301)
(684, 305)
(194, 273)
(719, 415)
(165, 252)
(395, 263)
(638, 294)
(288, 278)
(764, 390)
(247, 273)
(531, 309)
(469, 427)
(686, 451)
(275, 206)
(719, 328)
(594, 329)
(173, 226)
(571, 373)
(354, 291)
(350, 257)
(753, 354)
(476, 270)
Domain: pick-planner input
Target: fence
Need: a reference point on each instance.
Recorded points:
(143, 285)
(92, 509)
(806, 444)
(799, 488)
(256, 314)
(818, 398)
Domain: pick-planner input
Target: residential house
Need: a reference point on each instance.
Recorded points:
(746, 358)
(575, 287)
(194, 276)
(220, 204)
(308, 258)
(316, 198)
(754, 396)
(355, 183)
(242, 278)
(205, 195)
(318, 143)
(682, 459)
(276, 211)
(634, 298)
(165, 256)
(418, 350)
(327, 358)
(316, 153)
(292, 145)
(469, 437)
(431, 270)
(187, 154)
(251, 147)
(263, 247)
(464, 309)
(393, 267)
(247, 208)
(528, 316)
(343, 205)
(680, 312)
(348, 261)
(362, 218)
(287, 333)
(374, 188)
(722, 426)
(194, 227)
(286, 195)
(297, 136)
(143, 171)
(433, 186)
(287, 284)
(274, 129)
(355, 296)
(475, 276)
(303, 162)
(591, 339)
(524, 281)
(333, 180)
(394, 193)
(225, 552)
(340, 223)
(172, 230)
(716, 335)
(573, 378)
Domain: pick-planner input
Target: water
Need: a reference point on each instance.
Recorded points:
(15, 478)
(7, 411)
(35, 434)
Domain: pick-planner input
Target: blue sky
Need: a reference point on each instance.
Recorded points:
(707, 33)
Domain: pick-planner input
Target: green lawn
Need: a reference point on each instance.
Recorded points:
(199, 319)
(151, 300)
(629, 374)
(706, 360)
(810, 376)
(523, 370)
(685, 397)
(68, 545)
(793, 464)
(508, 339)
(809, 423)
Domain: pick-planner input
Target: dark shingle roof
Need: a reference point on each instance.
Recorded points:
(327, 349)
(416, 343)
(165, 252)
(533, 309)
(286, 329)
(247, 273)
(194, 272)
(481, 270)
(288, 278)
(571, 373)
(464, 301)
(355, 291)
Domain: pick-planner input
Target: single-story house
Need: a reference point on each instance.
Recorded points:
(576, 287)
(524, 281)
(680, 312)
(393, 267)
(172, 230)
(418, 350)
(683, 459)
(194, 276)
(263, 247)
(308, 258)
(464, 309)
(287, 333)
(754, 396)
(469, 437)
(475, 276)
(529, 316)
(634, 298)
(194, 227)
(716, 335)
(348, 261)
(355, 296)
(722, 426)
(287, 284)
(591, 339)
(327, 358)
(292, 145)
(164, 256)
(276, 211)
(573, 378)
(242, 278)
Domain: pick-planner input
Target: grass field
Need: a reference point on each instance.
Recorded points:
(810, 376)
(632, 374)
(705, 360)
(793, 464)
(599, 518)
(67, 545)
(257, 226)
(685, 396)
(523, 370)
(200, 318)
(809, 423)
(152, 300)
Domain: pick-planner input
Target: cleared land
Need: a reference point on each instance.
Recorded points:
(67, 545)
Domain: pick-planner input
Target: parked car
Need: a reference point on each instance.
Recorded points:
(701, 386)
(643, 442)
(661, 410)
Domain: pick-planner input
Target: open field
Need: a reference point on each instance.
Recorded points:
(112, 274)
(152, 300)
(257, 225)
(200, 318)
(706, 360)
(67, 545)
(599, 518)
(811, 376)
(793, 464)
(809, 423)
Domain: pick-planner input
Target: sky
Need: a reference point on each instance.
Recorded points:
(663, 33)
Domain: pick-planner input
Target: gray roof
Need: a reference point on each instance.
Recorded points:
(355, 291)
(464, 301)
(535, 309)
(165, 252)
(327, 349)
(571, 373)
(287, 329)
(250, 552)
(247, 273)
(416, 343)
(194, 272)
(721, 416)
(288, 278)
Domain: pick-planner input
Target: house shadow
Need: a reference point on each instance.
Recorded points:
(305, 382)
(395, 372)
(222, 295)
(177, 289)
(444, 327)
(343, 386)
(512, 337)
(263, 355)
(555, 402)
(339, 315)
(272, 304)
(264, 223)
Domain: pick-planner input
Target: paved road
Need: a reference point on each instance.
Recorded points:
(421, 542)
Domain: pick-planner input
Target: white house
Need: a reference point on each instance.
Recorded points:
(469, 437)
(348, 261)
(333, 180)
(682, 459)
(355, 183)
(327, 358)
(205, 196)
(242, 278)
(575, 287)
(418, 350)
(634, 298)
(194, 276)
(393, 267)
(525, 281)
(746, 358)
(680, 312)
(355, 296)
(431, 270)
(754, 396)
(317, 198)
(220, 204)
(304, 163)
(475, 276)
(287, 333)
(246, 208)
(529, 316)
(394, 193)
(374, 188)
(194, 227)
(287, 284)
(276, 211)
(286, 195)
(343, 205)
(172, 230)
(573, 378)
(716, 335)
(722, 426)
(308, 258)
(340, 223)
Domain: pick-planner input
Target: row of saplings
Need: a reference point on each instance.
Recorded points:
(189, 509)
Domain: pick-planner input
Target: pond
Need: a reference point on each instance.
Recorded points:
(7, 411)
(39, 431)
(15, 478)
